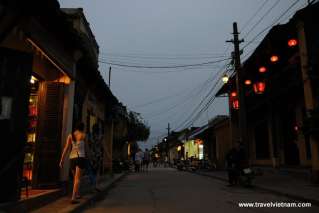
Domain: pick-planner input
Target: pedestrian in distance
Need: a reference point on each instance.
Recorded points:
(138, 160)
(146, 160)
(75, 145)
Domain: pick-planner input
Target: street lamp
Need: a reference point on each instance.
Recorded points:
(225, 79)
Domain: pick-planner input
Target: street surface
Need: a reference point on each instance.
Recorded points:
(168, 190)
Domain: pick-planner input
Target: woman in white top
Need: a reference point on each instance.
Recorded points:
(75, 142)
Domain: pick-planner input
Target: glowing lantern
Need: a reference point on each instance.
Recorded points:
(259, 87)
(247, 82)
(274, 58)
(292, 42)
(233, 94)
(262, 69)
(225, 79)
(235, 104)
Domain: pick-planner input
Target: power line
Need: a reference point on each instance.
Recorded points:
(163, 67)
(167, 97)
(186, 121)
(164, 58)
(275, 22)
(254, 15)
(188, 98)
(262, 18)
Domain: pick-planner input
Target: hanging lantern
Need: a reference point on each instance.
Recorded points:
(225, 79)
(292, 42)
(233, 94)
(274, 58)
(235, 104)
(247, 82)
(259, 87)
(262, 69)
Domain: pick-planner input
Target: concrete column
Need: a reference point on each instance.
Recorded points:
(309, 98)
(68, 106)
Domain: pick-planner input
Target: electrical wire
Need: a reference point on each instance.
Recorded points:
(254, 15)
(262, 18)
(186, 121)
(168, 97)
(163, 67)
(273, 23)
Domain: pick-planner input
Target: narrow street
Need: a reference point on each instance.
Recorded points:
(170, 190)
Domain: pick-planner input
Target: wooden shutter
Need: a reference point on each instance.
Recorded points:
(15, 73)
(48, 142)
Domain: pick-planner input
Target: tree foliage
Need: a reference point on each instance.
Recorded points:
(137, 129)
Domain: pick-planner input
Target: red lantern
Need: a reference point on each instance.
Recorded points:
(259, 87)
(274, 58)
(262, 69)
(292, 42)
(247, 82)
(233, 94)
(235, 104)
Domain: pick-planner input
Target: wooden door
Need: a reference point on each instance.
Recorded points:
(15, 74)
(48, 141)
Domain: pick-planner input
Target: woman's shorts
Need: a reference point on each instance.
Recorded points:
(80, 162)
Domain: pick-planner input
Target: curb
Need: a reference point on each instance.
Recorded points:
(99, 196)
(292, 196)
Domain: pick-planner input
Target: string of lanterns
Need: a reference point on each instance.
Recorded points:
(258, 87)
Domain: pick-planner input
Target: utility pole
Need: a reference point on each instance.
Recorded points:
(240, 89)
(168, 132)
(110, 70)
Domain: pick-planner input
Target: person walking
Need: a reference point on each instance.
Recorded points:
(147, 157)
(76, 145)
(138, 160)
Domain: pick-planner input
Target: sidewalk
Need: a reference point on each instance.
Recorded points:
(89, 196)
(278, 183)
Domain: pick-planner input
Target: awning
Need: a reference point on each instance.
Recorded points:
(198, 131)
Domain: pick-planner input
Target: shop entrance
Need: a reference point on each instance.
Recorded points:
(45, 118)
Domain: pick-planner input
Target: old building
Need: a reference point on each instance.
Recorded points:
(37, 87)
(281, 89)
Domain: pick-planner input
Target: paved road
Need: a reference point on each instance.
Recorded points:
(167, 190)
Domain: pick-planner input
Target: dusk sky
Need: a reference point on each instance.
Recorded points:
(166, 33)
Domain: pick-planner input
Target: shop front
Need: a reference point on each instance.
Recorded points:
(194, 149)
(36, 112)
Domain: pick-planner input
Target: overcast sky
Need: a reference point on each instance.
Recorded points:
(165, 33)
